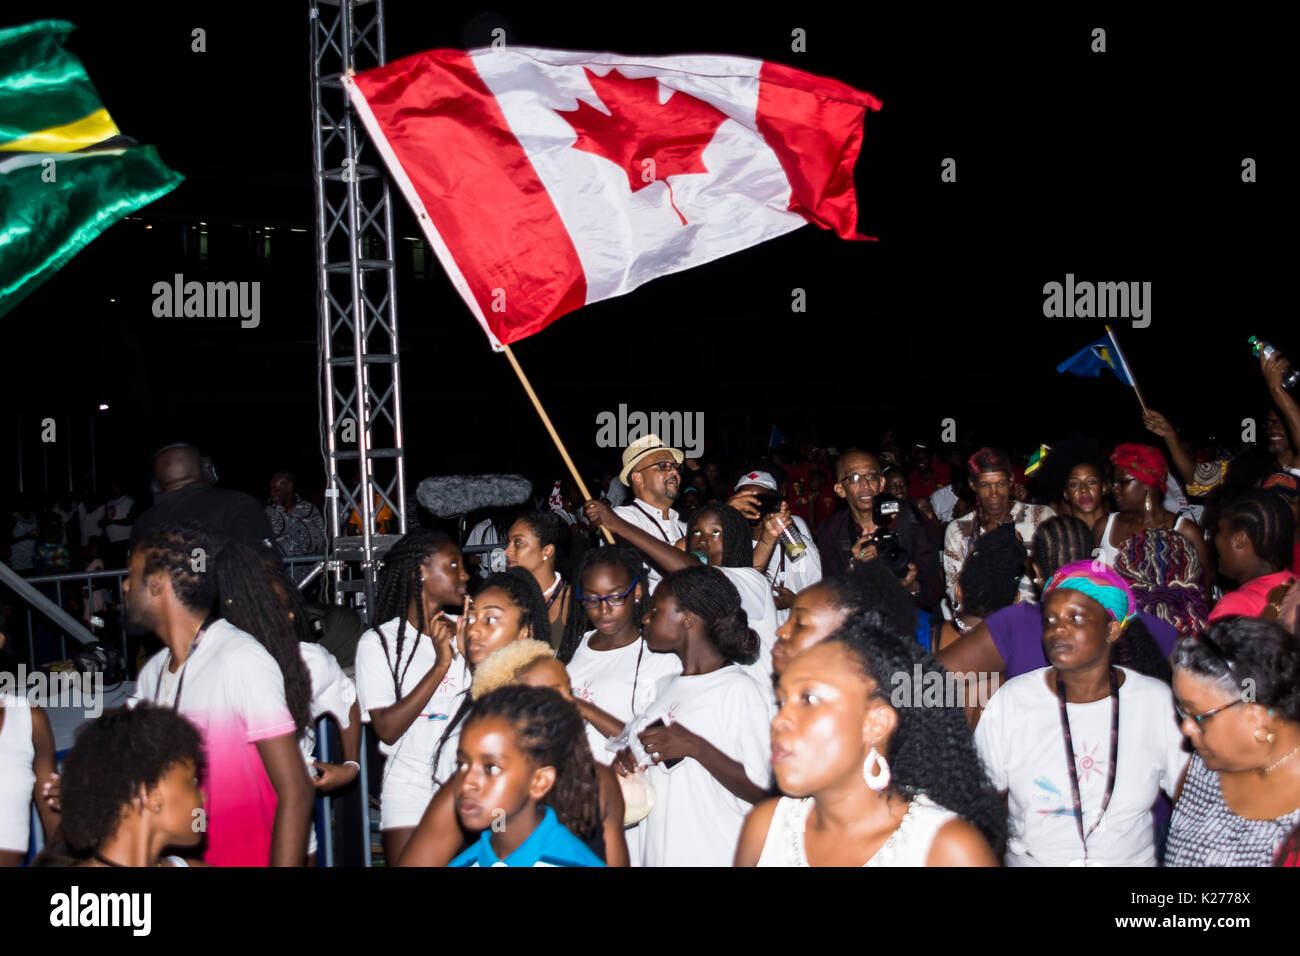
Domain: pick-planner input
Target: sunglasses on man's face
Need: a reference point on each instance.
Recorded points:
(665, 465)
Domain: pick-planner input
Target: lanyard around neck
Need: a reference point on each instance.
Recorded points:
(1069, 757)
(180, 682)
(654, 518)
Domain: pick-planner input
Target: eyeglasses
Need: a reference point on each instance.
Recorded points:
(856, 479)
(592, 601)
(1202, 718)
(666, 465)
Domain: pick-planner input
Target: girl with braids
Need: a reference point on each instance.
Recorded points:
(411, 673)
(704, 739)
(1254, 547)
(524, 765)
(538, 542)
(720, 536)
(247, 694)
(1140, 477)
(439, 837)
(508, 608)
(614, 675)
(1166, 578)
(870, 784)
(1009, 642)
(1237, 690)
(131, 788)
(1091, 806)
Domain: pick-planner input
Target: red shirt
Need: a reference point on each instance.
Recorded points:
(940, 475)
(1251, 598)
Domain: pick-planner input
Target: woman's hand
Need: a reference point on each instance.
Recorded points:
(777, 522)
(50, 791)
(1155, 422)
(334, 775)
(624, 763)
(443, 634)
(668, 742)
(782, 597)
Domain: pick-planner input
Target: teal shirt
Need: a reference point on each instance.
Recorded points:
(548, 845)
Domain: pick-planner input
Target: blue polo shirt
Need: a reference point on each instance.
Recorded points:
(548, 845)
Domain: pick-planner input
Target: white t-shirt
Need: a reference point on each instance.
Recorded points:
(117, 508)
(760, 608)
(651, 520)
(231, 688)
(332, 692)
(485, 533)
(943, 501)
(606, 679)
(1019, 739)
(795, 575)
(696, 821)
(89, 522)
(412, 755)
(17, 776)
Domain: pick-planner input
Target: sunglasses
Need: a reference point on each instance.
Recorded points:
(593, 601)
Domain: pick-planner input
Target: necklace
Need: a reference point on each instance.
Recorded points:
(106, 861)
(180, 684)
(1273, 766)
(1069, 757)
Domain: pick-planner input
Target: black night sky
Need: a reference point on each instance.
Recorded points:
(1122, 166)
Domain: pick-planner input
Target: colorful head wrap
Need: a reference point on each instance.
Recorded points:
(1098, 582)
(988, 460)
(1143, 462)
(1165, 574)
(1283, 483)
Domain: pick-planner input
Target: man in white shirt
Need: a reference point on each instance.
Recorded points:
(651, 471)
(787, 577)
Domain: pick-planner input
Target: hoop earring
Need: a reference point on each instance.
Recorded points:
(879, 779)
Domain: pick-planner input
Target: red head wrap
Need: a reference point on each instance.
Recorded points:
(1143, 462)
(987, 460)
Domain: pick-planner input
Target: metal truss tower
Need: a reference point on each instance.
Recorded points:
(360, 380)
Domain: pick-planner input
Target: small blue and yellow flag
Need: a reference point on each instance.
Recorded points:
(1090, 360)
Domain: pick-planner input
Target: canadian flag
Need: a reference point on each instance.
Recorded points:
(547, 179)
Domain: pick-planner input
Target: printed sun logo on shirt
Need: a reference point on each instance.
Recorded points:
(584, 692)
(1087, 763)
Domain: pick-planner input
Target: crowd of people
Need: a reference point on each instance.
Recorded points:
(931, 656)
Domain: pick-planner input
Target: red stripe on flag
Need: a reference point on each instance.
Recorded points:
(479, 188)
(814, 125)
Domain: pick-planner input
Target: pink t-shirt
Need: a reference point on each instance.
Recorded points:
(1251, 598)
(233, 692)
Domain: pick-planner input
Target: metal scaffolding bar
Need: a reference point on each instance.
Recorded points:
(360, 370)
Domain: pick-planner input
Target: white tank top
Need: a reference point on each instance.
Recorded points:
(17, 778)
(909, 845)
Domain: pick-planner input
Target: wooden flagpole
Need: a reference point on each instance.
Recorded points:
(1128, 370)
(555, 436)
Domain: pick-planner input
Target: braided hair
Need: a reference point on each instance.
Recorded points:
(737, 538)
(710, 595)
(578, 623)
(991, 575)
(246, 597)
(217, 576)
(1166, 576)
(1268, 523)
(931, 750)
(552, 733)
(112, 759)
(1059, 541)
(524, 593)
(399, 584)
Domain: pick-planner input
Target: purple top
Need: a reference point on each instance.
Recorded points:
(1018, 635)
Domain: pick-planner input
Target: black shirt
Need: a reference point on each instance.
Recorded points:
(836, 535)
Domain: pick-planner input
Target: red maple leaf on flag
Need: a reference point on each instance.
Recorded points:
(648, 140)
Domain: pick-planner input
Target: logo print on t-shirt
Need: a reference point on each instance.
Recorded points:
(1087, 763)
(584, 692)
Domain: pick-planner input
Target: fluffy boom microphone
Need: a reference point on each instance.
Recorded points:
(449, 496)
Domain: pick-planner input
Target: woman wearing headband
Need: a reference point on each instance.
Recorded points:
(1237, 689)
(1082, 747)
(1139, 485)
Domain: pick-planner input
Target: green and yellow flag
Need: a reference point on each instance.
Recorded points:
(66, 171)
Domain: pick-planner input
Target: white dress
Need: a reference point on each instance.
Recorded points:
(909, 845)
(17, 778)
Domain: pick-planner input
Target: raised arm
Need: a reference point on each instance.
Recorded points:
(1178, 449)
(659, 553)
(394, 720)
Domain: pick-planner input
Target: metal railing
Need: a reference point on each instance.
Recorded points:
(102, 591)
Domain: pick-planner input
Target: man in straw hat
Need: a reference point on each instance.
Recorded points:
(651, 471)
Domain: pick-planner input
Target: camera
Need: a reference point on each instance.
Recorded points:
(889, 546)
(769, 503)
